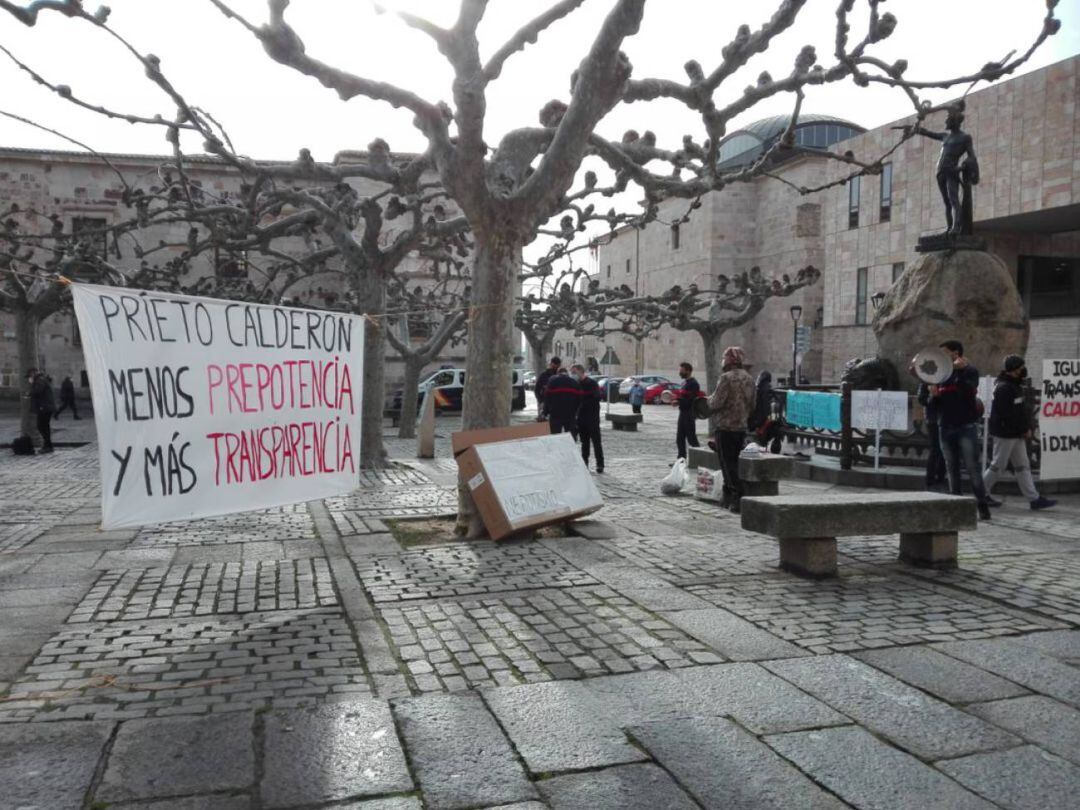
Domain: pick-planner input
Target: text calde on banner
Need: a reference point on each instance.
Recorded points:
(205, 407)
(1059, 420)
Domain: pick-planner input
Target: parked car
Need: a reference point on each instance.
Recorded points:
(655, 391)
(646, 379)
(530, 380)
(447, 386)
(609, 386)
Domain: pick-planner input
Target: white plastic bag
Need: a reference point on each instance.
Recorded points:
(676, 479)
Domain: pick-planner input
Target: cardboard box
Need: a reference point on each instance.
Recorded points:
(525, 482)
(464, 439)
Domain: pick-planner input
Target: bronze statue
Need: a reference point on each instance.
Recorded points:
(956, 168)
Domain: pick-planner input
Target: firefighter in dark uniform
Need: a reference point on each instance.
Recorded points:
(541, 384)
(562, 394)
(588, 417)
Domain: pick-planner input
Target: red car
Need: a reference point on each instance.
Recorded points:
(654, 394)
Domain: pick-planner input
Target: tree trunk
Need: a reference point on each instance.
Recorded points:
(489, 364)
(371, 294)
(541, 351)
(409, 397)
(714, 364)
(26, 334)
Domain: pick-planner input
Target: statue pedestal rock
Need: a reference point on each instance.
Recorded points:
(966, 295)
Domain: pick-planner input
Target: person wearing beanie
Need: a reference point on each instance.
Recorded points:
(732, 402)
(1010, 425)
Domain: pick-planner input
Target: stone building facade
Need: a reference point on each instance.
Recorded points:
(861, 236)
(86, 193)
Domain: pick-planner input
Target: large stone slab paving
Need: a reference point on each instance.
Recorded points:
(726, 768)
(336, 751)
(49, 765)
(926, 727)
(1024, 665)
(1063, 644)
(1038, 719)
(215, 802)
(948, 678)
(459, 754)
(392, 803)
(562, 726)
(1025, 778)
(870, 775)
(734, 638)
(627, 787)
(159, 758)
(574, 726)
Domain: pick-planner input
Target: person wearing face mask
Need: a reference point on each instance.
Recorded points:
(686, 431)
(588, 417)
(562, 395)
(1010, 425)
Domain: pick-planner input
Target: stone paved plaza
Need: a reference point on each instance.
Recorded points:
(653, 656)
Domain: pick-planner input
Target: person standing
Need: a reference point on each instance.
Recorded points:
(562, 395)
(42, 404)
(958, 416)
(686, 432)
(636, 396)
(67, 398)
(762, 423)
(1010, 425)
(541, 386)
(732, 402)
(935, 461)
(588, 417)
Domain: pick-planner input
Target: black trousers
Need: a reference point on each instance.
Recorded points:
(560, 425)
(686, 433)
(636, 408)
(935, 461)
(590, 434)
(44, 426)
(67, 403)
(729, 443)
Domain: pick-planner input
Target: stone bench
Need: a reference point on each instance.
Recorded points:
(807, 526)
(625, 421)
(761, 474)
(702, 458)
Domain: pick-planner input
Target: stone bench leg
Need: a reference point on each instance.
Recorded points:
(754, 489)
(929, 549)
(809, 557)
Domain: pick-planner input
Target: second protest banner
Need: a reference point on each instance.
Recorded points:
(205, 407)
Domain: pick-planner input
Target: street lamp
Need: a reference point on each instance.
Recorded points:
(796, 313)
(876, 300)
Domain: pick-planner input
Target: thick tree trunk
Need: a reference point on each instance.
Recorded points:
(371, 291)
(489, 365)
(409, 397)
(26, 335)
(541, 351)
(714, 364)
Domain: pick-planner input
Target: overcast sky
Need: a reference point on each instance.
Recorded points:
(271, 111)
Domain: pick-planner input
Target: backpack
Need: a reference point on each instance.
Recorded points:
(23, 446)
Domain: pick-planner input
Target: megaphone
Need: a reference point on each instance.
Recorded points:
(933, 365)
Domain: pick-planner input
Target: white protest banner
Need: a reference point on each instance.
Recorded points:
(205, 407)
(1059, 420)
(879, 410)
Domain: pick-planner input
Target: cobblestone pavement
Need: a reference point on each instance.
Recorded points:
(653, 656)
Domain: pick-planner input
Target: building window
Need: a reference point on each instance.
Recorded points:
(1049, 286)
(675, 236)
(229, 264)
(609, 271)
(886, 192)
(860, 295)
(627, 265)
(853, 202)
(897, 271)
(91, 232)
(76, 335)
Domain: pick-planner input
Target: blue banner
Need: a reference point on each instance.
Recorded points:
(800, 409)
(813, 409)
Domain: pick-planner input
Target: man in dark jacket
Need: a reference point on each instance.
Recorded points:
(541, 384)
(67, 398)
(42, 404)
(958, 416)
(686, 431)
(562, 395)
(1010, 425)
(588, 416)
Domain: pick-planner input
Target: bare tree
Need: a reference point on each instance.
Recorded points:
(509, 192)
